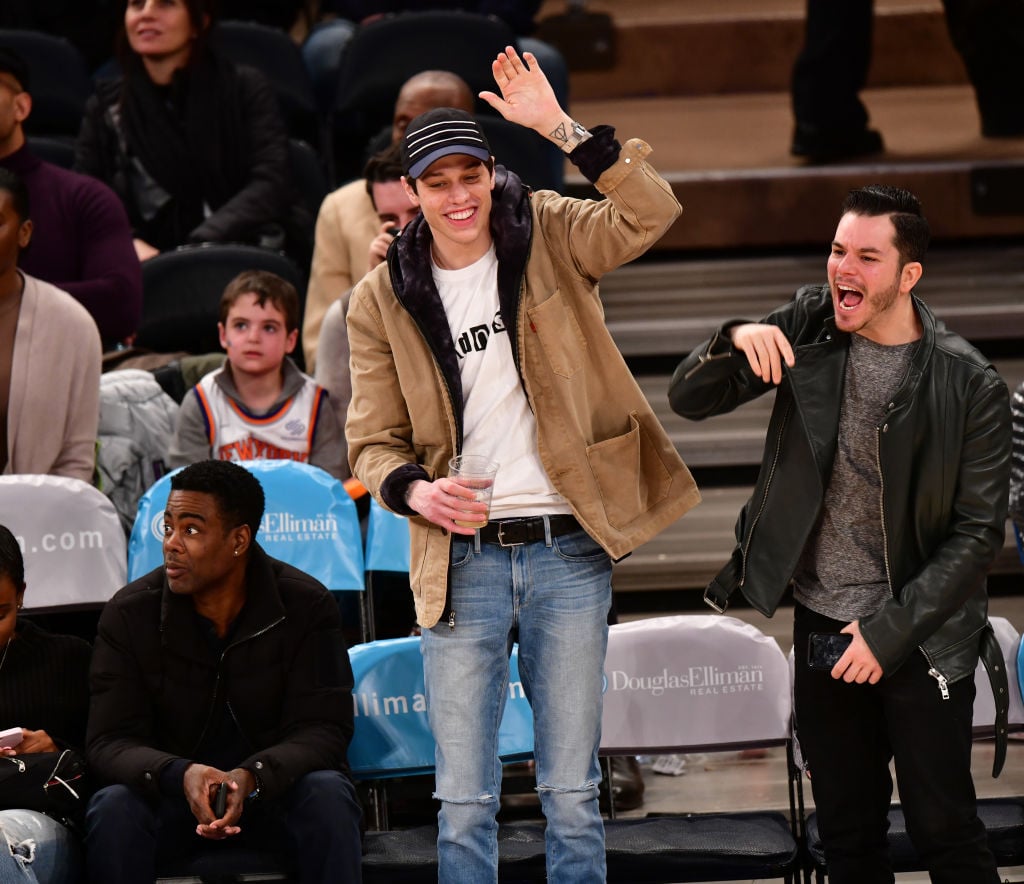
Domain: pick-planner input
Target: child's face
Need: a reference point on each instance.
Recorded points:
(255, 337)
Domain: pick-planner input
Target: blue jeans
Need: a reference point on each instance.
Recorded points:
(848, 734)
(35, 848)
(315, 825)
(554, 599)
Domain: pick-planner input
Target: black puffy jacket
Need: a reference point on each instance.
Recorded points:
(286, 677)
(943, 452)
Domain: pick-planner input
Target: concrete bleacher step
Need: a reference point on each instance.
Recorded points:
(707, 47)
(690, 552)
(727, 160)
(665, 308)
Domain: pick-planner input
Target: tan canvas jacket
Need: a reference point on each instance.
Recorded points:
(598, 437)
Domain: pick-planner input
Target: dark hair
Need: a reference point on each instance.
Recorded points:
(903, 208)
(383, 166)
(488, 164)
(266, 286)
(11, 562)
(238, 492)
(201, 15)
(12, 63)
(14, 184)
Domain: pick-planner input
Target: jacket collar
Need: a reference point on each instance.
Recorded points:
(413, 283)
(263, 608)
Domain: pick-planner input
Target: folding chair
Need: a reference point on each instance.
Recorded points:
(309, 522)
(392, 739)
(1003, 817)
(699, 683)
(181, 293)
(75, 556)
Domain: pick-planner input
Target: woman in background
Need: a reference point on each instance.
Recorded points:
(195, 147)
(44, 691)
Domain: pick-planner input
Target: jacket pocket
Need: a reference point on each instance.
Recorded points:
(630, 473)
(560, 334)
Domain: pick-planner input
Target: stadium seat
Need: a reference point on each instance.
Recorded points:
(74, 545)
(59, 151)
(309, 177)
(392, 739)
(461, 42)
(60, 82)
(699, 683)
(272, 52)
(181, 293)
(309, 522)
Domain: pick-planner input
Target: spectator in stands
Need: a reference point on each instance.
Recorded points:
(195, 147)
(44, 690)
(325, 45)
(349, 224)
(49, 360)
(259, 405)
(81, 239)
(882, 497)
(255, 690)
(832, 68)
(483, 333)
(1017, 462)
(394, 210)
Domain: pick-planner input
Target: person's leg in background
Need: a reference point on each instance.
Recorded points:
(830, 72)
(989, 35)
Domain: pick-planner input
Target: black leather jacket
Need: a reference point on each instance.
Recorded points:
(943, 453)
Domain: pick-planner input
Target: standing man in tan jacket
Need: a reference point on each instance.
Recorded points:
(483, 334)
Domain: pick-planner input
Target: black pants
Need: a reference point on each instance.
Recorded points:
(832, 67)
(848, 734)
(315, 826)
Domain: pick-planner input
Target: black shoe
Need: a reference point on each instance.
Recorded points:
(627, 784)
(819, 146)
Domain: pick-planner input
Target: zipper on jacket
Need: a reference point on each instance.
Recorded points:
(17, 762)
(932, 670)
(764, 495)
(451, 620)
(216, 684)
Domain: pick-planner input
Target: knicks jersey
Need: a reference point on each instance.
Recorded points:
(283, 434)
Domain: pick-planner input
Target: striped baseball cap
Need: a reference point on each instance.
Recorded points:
(440, 133)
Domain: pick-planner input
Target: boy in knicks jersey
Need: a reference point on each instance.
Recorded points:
(259, 405)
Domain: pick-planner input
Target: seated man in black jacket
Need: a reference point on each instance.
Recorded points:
(223, 666)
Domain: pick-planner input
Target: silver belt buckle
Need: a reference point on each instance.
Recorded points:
(501, 537)
(713, 604)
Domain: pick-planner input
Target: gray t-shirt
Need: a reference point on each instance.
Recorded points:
(842, 569)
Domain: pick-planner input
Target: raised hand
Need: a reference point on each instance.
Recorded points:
(526, 95)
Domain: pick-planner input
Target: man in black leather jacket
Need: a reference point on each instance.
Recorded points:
(882, 499)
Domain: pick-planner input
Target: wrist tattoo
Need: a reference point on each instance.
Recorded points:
(560, 133)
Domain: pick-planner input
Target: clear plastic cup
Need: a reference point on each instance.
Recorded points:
(477, 472)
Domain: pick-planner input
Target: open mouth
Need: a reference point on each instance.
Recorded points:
(461, 215)
(849, 299)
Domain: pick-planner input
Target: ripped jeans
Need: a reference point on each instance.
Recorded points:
(35, 848)
(554, 599)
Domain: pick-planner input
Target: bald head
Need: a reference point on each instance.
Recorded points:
(425, 91)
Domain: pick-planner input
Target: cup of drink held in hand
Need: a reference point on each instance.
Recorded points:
(477, 472)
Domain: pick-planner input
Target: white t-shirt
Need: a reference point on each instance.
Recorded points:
(497, 420)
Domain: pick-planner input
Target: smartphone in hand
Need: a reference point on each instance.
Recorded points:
(825, 648)
(220, 801)
(11, 738)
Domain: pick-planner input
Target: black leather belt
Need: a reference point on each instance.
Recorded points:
(513, 532)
